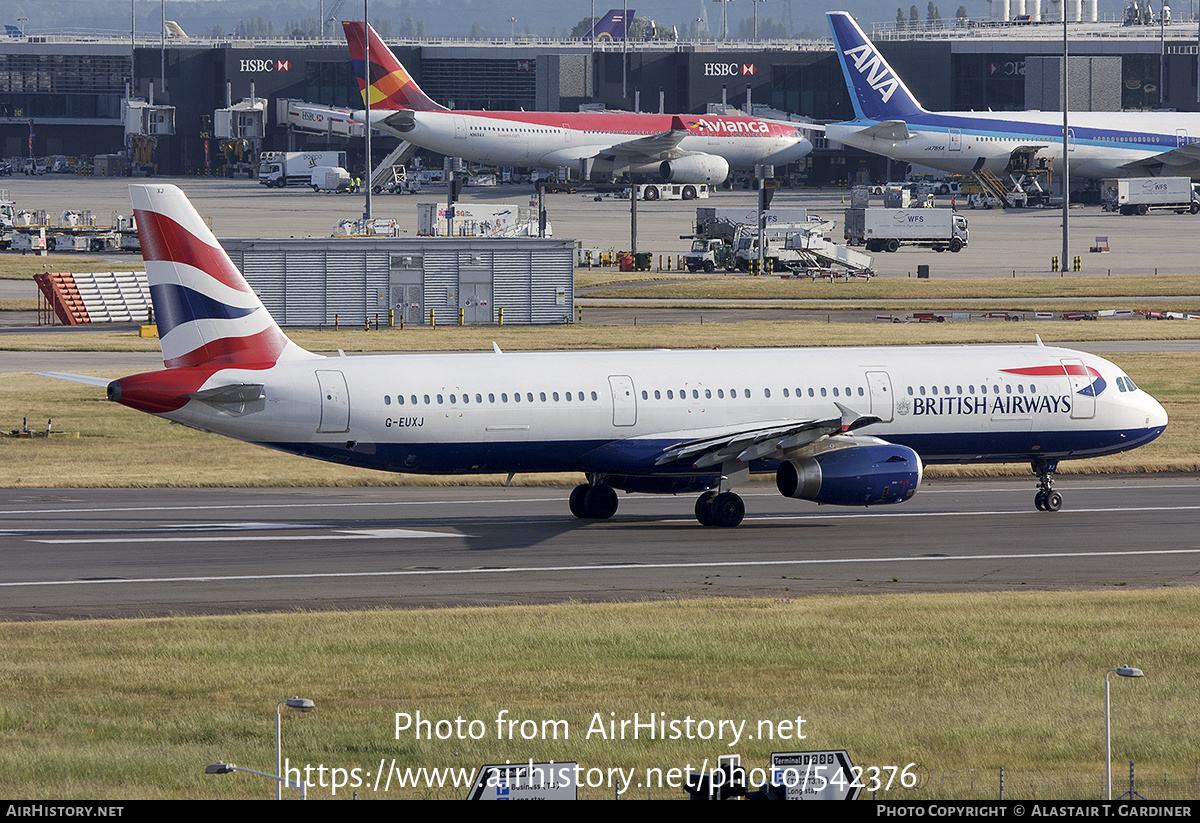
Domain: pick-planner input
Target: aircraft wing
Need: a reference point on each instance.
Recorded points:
(662, 146)
(1183, 161)
(642, 151)
(891, 130)
(743, 445)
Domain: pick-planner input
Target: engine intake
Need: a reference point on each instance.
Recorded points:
(856, 476)
(695, 168)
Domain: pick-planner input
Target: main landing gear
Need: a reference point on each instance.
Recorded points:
(724, 509)
(598, 502)
(1046, 499)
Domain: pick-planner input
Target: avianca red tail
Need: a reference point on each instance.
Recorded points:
(391, 86)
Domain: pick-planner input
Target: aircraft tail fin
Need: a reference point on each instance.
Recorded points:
(876, 91)
(611, 26)
(391, 86)
(207, 313)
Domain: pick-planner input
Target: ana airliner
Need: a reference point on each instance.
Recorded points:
(687, 149)
(889, 121)
(851, 426)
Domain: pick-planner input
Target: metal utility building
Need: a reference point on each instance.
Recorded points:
(313, 281)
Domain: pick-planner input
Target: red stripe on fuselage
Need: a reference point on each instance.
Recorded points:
(163, 239)
(1055, 371)
(638, 125)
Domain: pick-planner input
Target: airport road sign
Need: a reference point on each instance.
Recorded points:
(825, 775)
(526, 781)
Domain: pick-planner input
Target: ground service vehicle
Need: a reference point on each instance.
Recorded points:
(889, 229)
(1142, 195)
(329, 178)
(709, 254)
(295, 168)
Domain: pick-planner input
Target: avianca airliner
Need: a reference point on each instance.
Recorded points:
(890, 121)
(851, 427)
(688, 149)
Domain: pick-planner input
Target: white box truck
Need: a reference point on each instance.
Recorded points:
(1142, 195)
(295, 168)
(889, 229)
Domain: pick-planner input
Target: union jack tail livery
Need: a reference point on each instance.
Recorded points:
(207, 313)
(391, 86)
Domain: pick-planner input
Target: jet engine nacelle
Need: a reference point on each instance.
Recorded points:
(695, 168)
(855, 476)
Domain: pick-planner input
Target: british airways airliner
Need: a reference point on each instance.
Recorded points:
(687, 148)
(850, 427)
(890, 121)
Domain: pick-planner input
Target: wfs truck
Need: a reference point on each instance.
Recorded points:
(1142, 195)
(889, 229)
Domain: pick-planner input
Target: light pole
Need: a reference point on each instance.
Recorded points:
(367, 209)
(512, 29)
(756, 2)
(724, 20)
(1066, 170)
(1124, 671)
(298, 703)
(226, 768)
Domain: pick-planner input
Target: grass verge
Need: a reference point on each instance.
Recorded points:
(130, 709)
(750, 334)
(1051, 286)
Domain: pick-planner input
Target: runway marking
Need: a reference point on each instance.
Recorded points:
(357, 534)
(514, 500)
(247, 525)
(600, 567)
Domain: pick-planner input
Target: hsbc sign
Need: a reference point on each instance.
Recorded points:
(266, 65)
(729, 69)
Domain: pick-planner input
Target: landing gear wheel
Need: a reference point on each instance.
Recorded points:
(704, 508)
(576, 501)
(1046, 499)
(727, 510)
(600, 502)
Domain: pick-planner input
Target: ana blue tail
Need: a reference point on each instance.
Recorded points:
(876, 91)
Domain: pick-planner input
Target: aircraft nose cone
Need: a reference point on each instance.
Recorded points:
(1156, 415)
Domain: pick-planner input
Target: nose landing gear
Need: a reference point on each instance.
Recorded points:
(1046, 499)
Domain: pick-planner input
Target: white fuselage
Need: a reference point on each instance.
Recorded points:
(1100, 144)
(551, 139)
(614, 413)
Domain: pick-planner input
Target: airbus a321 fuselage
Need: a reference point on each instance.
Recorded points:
(848, 426)
(890, 121)
(678, 148)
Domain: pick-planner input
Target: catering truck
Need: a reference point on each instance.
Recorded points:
(1142, 195)
(889, 229)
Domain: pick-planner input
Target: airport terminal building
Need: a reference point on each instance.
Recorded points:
(64, 95)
